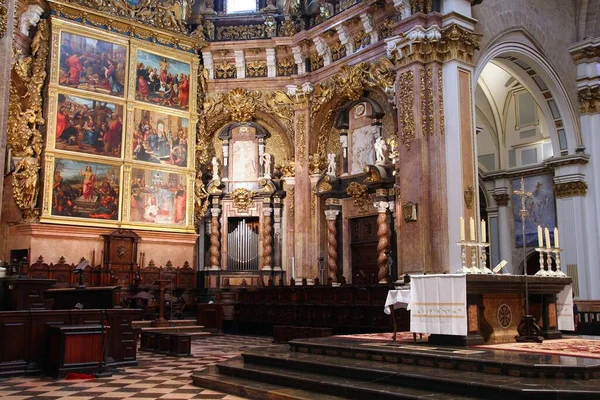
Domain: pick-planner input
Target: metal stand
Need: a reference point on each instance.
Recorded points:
(103, 370)
(528, 329)
(483, 269)
(463, 258)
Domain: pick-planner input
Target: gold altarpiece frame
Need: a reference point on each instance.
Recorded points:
(110, 92)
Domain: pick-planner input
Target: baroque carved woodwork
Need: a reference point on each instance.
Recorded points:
(285, 66)
(256, 69)
(242, 199)
(360, 195)
(3, 17)
(407, 118)
(570, 189)
(24, 119)
(225, 70)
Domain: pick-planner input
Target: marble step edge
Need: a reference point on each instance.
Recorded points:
(209, 378)
(448, 361)
(196, 329)
(313, 383)
(414, 377)
(174, 322)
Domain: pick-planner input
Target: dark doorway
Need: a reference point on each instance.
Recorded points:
(363, 242)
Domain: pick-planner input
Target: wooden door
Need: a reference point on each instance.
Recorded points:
(363, 243)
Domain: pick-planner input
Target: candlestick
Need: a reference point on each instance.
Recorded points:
(483, 232)
(542, 271)
(474, 268)
(472, 228)
(540, 237)
(556, 241)
(462, 229)
(557, 256)
(547, 234)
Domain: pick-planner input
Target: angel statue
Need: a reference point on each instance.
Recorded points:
(215, 169)
(380, 148)
(331, 167)
(265, 160)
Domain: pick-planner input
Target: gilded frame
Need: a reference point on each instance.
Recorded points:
(161, 51)
(131, 126)
(53, 109)
(186, 177)
(50, 161)
(59, 27)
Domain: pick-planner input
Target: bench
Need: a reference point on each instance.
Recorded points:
(175, 344)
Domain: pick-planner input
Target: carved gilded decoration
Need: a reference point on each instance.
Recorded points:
(441, 101)
(288, 168)
(287, 28)
(501, 199)
(314, 164)
(242, 32)
(422, 6)
(201, 199)
(587, 53)
(256, 69)
(241, 104)
(589, 100)
(429, 96)
(423, 88)
(360, 40)
(407, 119)
(360, 195)
(301, 137)
(570, 189)
(242, 198)
(285, 66)
(386, 28)
(338, 51)
(316, 61)
(3, 18)
(291, 192)
(24, 119)
(469, 195)
(225, 70)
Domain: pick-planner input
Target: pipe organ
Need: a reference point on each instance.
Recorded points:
(242, 244)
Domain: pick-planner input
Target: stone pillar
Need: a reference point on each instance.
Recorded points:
(505, 238)
(6, 35)
(383, 240)
(290, 234)
(267, 238)
(436, 141)
(225, 165)
(277, 227)
(332, 255)
(215, 243)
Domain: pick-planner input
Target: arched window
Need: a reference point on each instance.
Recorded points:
(240, 6)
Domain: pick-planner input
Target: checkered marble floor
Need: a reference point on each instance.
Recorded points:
(156, 376)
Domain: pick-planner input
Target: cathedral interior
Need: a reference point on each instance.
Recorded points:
(279, 167)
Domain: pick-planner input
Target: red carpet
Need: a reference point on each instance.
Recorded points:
(563, 347)
(383, 337)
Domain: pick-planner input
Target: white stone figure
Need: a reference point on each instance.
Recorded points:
(380, 148)
(331, 167)
(265, 160)
(215, 169)
(30, 18)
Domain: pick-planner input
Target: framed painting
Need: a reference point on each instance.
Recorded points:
(88, 125)
(91, 63)
(85, 189)
(162, 80)
(159, 137)
(540, 206)
(158, 197)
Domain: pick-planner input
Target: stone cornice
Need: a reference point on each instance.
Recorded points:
(547, 166)
(585, 51)
(580, 158)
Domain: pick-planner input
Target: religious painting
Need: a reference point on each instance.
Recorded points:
(92, 64)
(244, 160)
(540, 207)
(160, 138)
(85, 189)
(363, 152)
(87, 125)
(158, 197)
(162, 80)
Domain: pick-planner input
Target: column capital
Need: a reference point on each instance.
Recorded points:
(570, 189)
(215, 212)
(501, 199)
(331, 215)
(267, 211)
(382, 206)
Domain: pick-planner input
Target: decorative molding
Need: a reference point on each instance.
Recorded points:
(469, 195)
(3, 17)
(407, 118)
(225, 70)
(501, 199)
(256, 69)
(441, 101)
(301, 138)
(589, 99)
(242, 198)
(242, 32)
(570, 189)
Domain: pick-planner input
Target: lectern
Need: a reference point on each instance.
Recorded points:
(161, 321)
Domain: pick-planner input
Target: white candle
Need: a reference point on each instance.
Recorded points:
(556, 242)
(547, 234)
(472, 227)
(483, 232)
(540, 237)
(462, 229)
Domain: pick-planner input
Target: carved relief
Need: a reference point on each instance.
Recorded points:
(301, 133)
(256, 69)
(285, 67)
(441, 101)
(570, 189)
(589, 100)
(407, 119)
(225, 70)
(360, 195)
(3, 18)
(242, 199)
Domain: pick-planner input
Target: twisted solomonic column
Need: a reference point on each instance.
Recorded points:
(332, 255)
(215, 244)
(267, 238)
(383, 236)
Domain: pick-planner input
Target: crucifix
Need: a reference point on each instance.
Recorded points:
(528, 329)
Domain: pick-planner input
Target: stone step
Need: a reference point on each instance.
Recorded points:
(493, 362)
(174, 322)
(412, 377)
(305, 385)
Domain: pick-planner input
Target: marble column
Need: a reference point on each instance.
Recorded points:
(505, 238)
(6, 38)
(332, 254)
(267, 239)
(277, 227)
(215, 242)
(289, 225)
(383, 240)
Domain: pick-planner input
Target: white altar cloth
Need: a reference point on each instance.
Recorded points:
(564, 309)
(398, 299)
(438, 304)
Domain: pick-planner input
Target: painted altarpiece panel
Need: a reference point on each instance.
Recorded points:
(540, 206)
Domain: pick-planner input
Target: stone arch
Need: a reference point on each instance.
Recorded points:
(517, 49)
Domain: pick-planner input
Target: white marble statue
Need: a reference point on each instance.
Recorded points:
(380, 148)
(215, 169)
(30, 18)
(331, 167)
(265, 160)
